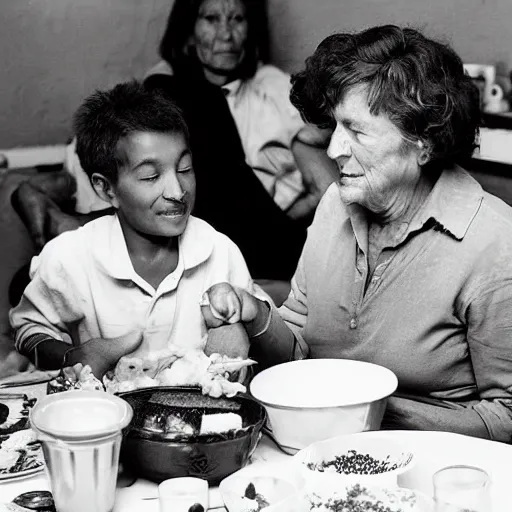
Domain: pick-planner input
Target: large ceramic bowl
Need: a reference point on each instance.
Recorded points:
(154, 452)
(317, 399)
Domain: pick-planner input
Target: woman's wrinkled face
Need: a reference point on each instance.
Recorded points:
(156, 187)
(220, 34)
(378, 167)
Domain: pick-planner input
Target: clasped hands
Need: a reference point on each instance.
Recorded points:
(222, 304)
(226, 304)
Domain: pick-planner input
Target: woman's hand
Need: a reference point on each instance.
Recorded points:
(226, 304)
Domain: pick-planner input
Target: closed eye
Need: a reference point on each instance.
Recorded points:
(150, 178)
(185, 169)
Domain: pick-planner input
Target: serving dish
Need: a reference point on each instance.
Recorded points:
(165, 438)
(315, 399)
(333, 463)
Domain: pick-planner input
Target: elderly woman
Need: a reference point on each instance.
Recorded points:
(408, 261)
(257, 180)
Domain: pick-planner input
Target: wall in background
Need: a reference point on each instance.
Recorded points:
(479, 30)
(54, 52)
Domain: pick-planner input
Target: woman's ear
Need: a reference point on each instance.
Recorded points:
(423, 158)
(104, 188)
(423, 154)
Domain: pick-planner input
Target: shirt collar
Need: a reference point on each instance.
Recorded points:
(195, 247)
(453, 203)
(232, 88)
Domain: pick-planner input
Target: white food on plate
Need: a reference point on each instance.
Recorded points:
(18, 447)
(19, 440)
(8, 458)
(391, 500)
(220, 422)
(176, 367)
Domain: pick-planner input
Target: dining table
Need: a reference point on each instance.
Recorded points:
(432, 451)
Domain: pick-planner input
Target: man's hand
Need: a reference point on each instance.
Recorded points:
(103, 354)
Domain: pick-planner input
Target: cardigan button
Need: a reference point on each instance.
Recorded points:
(353, 323)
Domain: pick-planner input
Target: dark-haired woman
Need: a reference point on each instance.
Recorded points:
(408, 261)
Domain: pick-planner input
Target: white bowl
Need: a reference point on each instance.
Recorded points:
(386, 460)
(281, 487)
(317, 399)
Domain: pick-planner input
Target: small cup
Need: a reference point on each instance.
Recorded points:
(187, 494)
(458, 488)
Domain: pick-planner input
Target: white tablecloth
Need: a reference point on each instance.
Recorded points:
(432, 451)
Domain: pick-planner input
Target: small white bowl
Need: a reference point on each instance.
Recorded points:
(317, 399)
(385, 461)
(281, 487)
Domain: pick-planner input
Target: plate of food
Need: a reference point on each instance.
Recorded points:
(358, 498)
(21, 455)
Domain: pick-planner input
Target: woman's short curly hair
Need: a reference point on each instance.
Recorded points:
(419, 83)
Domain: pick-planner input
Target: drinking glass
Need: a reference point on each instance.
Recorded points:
(185, 494)
(462, 489)
(81, 434)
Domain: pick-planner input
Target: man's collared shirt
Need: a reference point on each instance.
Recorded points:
(84, 286)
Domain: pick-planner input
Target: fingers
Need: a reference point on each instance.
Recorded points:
(225, 304)
(221, 305)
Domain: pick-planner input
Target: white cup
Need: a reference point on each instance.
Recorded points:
(187, 494)
(81, 436)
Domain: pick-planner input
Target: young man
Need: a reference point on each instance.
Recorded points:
(132, 280)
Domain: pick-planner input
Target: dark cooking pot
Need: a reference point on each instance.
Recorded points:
(153, 453)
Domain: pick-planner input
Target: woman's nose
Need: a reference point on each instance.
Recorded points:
(339, 146)
(224, 30)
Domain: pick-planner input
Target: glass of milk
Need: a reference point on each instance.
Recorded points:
(81, 433)
(462, 488)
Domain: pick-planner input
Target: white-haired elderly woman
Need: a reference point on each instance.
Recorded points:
(408, 263)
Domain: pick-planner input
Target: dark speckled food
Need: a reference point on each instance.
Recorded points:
(157, 455)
